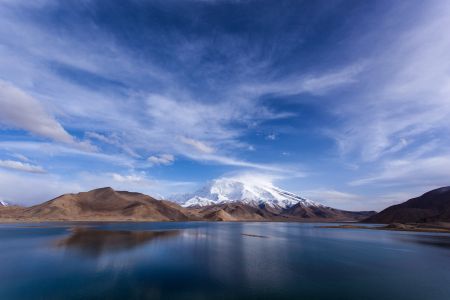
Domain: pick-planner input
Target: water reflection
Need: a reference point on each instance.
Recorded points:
(94, 242)
(442, 241)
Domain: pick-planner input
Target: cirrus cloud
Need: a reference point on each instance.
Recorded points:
(21, 166)
(20, 110)
(162, 159)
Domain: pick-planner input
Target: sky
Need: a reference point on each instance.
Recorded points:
(344, 102)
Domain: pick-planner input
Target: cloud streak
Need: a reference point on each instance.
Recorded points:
(199, 145)
(20, 110)
(407, 98)
(433, 171)
(162, 159)
(316, 84)
(21, 166)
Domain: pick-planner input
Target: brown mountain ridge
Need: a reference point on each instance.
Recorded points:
(431, 207)
(103, 204)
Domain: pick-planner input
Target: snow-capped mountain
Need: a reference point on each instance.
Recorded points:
(3, 203)
(225, 190)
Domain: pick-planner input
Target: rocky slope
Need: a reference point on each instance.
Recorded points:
(431, 207)
(103, 204)
(234, 211)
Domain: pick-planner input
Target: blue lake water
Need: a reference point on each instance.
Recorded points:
(220, 261)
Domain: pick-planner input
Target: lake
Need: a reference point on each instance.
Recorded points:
(202, 260)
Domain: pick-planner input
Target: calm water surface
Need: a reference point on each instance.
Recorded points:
(220, 261)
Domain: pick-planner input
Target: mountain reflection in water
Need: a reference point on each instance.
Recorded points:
(94, 242)
(442, 241)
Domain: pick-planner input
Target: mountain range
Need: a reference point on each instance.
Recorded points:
(221, 200)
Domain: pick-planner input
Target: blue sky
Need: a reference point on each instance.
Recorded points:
(344, 102)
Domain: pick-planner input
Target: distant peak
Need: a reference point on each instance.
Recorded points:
(252, 191)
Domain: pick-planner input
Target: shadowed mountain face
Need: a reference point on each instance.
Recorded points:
(104, 204)
(326, 213)
(433, 206)
(94, 242)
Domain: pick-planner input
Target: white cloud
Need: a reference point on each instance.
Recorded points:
(428, 171)
(199, 145)
(256, 178)
(20, 110)
(316, 84)
(21, 166)
(330, 80)
(378, 201)
(337, 199)
(47, 149)
(264, 177)
(134, 121)
(162, 159)
(38, 188)
(20, 157)
(271, 136)
(230, 161)
(112, 140)
(127, 178)
(405, 99)
(198, 126)
(331, 196)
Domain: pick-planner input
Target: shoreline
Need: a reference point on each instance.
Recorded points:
(416, 227)
(15, 221)
(436, 228)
